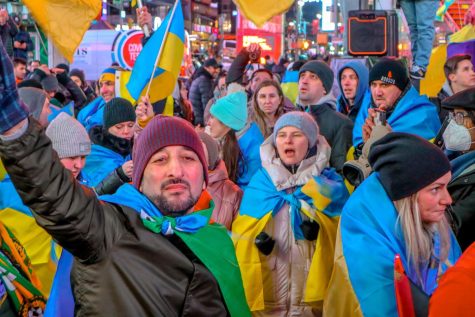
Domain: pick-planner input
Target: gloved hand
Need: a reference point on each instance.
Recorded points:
(264, 243)
(310, 229)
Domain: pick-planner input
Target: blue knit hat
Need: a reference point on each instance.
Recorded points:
(231, 110)
(299, 120)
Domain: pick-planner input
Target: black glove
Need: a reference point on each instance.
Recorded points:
(122, 175)
(264, 243)
(310, 229)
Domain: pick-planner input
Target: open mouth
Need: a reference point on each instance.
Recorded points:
(289, 152)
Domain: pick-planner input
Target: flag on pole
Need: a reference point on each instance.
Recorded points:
(166, 46)
(65, 21)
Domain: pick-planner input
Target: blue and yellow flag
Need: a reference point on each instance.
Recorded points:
(170, 35)
(290, 85)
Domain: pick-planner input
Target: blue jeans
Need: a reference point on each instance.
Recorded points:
(420, 15)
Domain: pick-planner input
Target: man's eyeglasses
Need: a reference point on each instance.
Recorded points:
(460, 116)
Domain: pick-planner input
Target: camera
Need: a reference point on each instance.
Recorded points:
(356, 171)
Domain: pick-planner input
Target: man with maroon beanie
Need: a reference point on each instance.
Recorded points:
(149, 249)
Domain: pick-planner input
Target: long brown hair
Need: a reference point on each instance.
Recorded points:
(231, 155)
(259, 115)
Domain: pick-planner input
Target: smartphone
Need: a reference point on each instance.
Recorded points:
(380, 118)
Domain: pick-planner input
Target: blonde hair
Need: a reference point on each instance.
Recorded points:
(418, 235)
(258, 115)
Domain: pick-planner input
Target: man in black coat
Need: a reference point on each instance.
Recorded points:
(315, 97)
(201, 90)
(147, 250)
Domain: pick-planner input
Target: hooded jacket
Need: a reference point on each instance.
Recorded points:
(362, 92)
(285, 283)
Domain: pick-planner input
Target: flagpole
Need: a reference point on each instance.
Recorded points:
(146, 31)
(161, 47)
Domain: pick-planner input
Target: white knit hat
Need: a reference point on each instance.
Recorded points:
(68, 136)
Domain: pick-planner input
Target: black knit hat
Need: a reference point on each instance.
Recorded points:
(407, 163)
(390, 71)
(463, 99)
(118, 110)
(322, 70)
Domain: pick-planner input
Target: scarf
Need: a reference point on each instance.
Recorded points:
(210, 242)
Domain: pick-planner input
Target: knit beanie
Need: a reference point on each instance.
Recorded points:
(108, 75)
(50, 83)
(79, 74)
(34, 99)
(160, 132)
(212, 148)
(231, 110)
(118, 110)
(299, 120)
(390, 71)
(322, 70)
(68, 136)
(407, 163)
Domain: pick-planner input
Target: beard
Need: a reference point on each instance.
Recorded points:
(174, 207)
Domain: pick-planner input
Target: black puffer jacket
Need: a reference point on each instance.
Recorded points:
(201, 91)
(120, 267)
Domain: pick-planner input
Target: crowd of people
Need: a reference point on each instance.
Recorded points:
(248, 197)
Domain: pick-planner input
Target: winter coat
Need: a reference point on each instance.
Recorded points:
(7, 32)
(226, 195)
(335, 127)
(282, 283)
(362, 90)
(462, 190)
(120, 268)
(108, 154)
(201, 91)
(412, 113)
(23, 37)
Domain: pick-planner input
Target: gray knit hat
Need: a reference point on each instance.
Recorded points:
(322, 70)
(34, 99)
(300, 120)
(68, 136)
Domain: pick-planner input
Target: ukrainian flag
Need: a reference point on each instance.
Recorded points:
(170, 35)
(290, 85)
